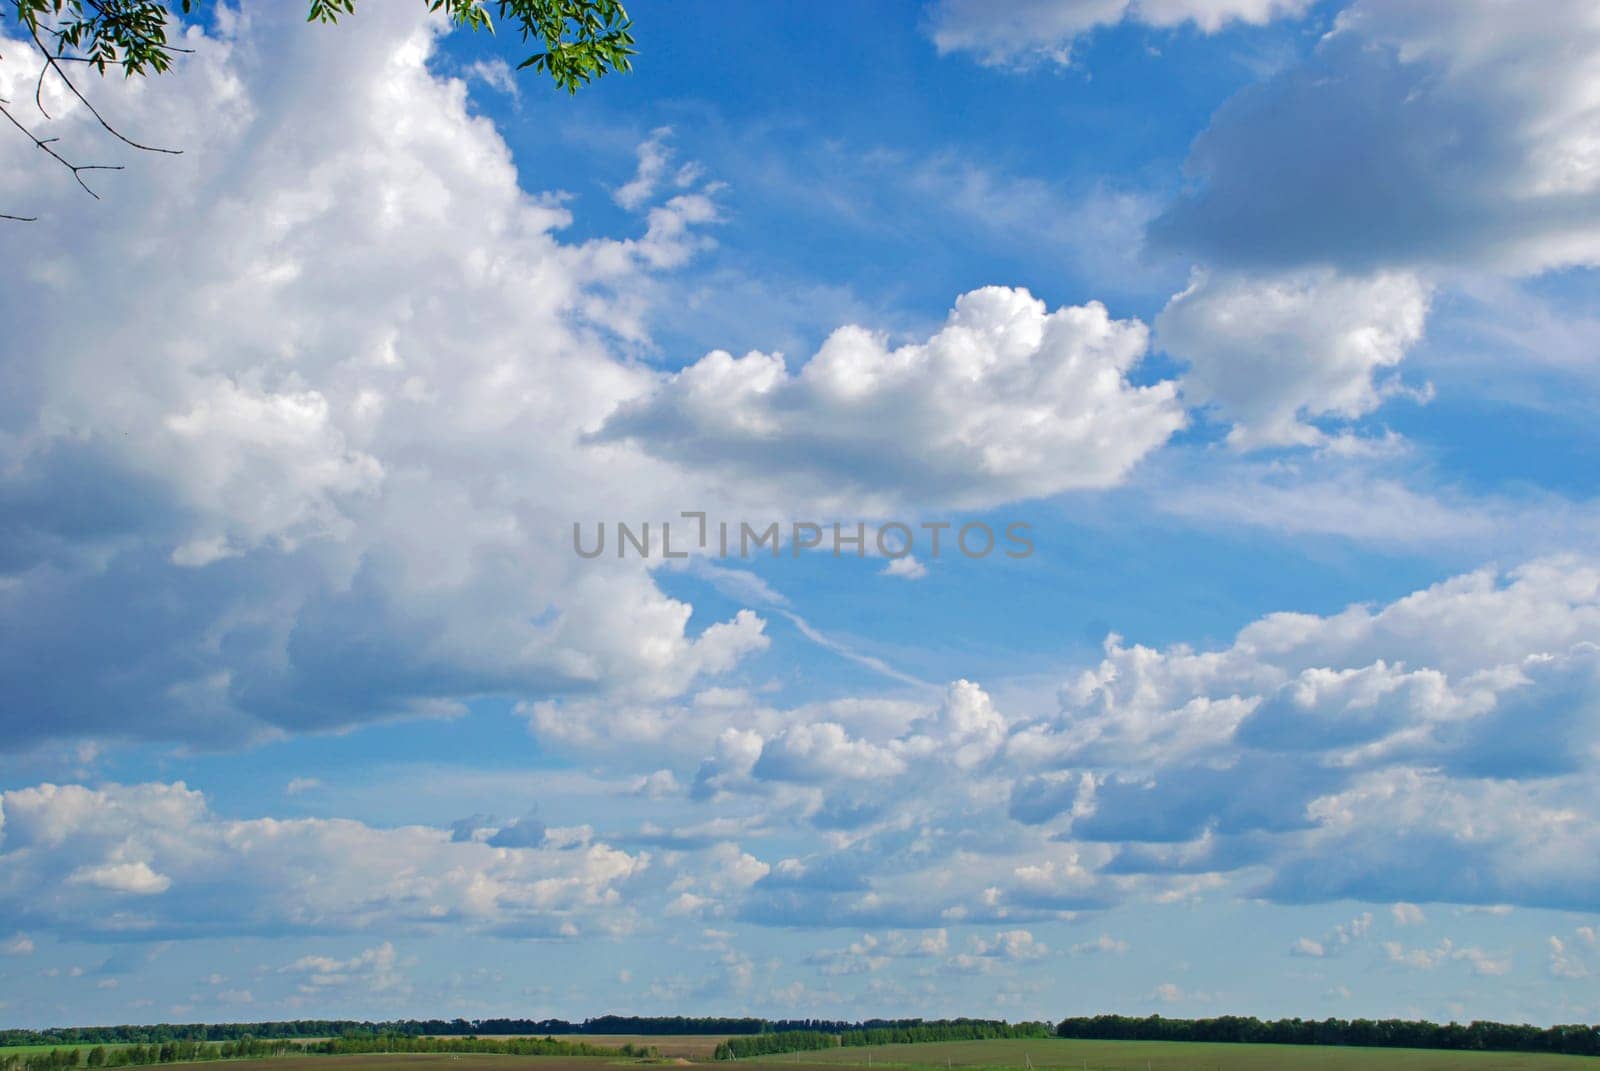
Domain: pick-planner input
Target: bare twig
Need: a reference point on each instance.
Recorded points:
(43, 144)
(51, 63)
(53, 60)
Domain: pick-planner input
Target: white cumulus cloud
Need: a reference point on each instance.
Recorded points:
(1008, 400)
(1030, 31)
(1274, 353)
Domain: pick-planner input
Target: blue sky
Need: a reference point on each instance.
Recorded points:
(1272, 319)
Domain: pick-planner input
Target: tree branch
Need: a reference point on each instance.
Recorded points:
(52, 64)
(43, 144)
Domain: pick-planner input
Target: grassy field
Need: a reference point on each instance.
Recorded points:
(1045, 1054)
(415, 1061)
(688, 1046)
(427, 1061)
(1048, 1053)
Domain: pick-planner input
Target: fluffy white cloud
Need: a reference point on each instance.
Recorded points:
(329, 400)
(824, 752)
(1569, 958)
(1484, 963)
(1010, 944)
(1407, 914)
(1102, 945)
(1451, 653)
(1273, 353)
(906, 568)
(1418, 142)
(1562, 963)
(1173, 993)
(1428, 959)
(335, 485)
(341, 429)
(721, 721)
(655, 167)
(147, 861)
(374, 970)
(1341, 937)
(1029, 31)
(1008, 400)
(966, 730)
(136, 878)
(1439, 747)
(715, 888)
(657, 785)
(1423, 959)
(1420, 145)
(873, 952)
(1418, 833)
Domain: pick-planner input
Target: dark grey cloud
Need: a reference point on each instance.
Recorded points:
(1418, 133)
(525, 832)
(1257, 792)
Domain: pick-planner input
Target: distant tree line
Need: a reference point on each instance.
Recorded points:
(746, 1045)
(943, 1030)
(323, 1028)
(353, 1044)
(166, 1052)
(876, 1032)
(326, 1028)
(1386, 1033)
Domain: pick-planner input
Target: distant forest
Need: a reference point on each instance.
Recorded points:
(171, 1052)
(1577, 1039)
(169, 1042)
(326, 1028)
(903, 1032)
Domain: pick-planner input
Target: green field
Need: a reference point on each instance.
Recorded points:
(430, 1061)
(1044, 1054)
(1049, 1053)
(405, 1061)
(690, 1046)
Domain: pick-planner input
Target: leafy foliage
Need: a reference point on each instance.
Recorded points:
(165, 1052)
(943, 1030)
(102, 34)
(186, 1051)
(899, 1032)
(739, 1048)
(582, 39)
